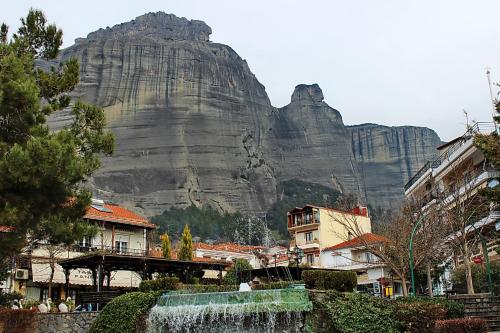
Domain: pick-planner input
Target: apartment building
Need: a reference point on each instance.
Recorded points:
(314, 229)
(455, 177)
(120, 231)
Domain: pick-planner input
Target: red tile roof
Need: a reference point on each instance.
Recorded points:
(119, 215)
(228, 247)
(5, 228)
(368, 238)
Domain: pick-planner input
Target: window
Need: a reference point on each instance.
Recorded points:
(309, 236)
(310, 259)
(121, 247)
(85, 242)
(316, 218)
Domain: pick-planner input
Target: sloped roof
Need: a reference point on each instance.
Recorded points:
(367, 238)
(115, 213)
(228, 247)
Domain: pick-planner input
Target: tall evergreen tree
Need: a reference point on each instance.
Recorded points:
(186, 245)
(166, 247)
(42, 171)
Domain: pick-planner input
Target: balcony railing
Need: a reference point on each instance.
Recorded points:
(110, 250)
(477, 128)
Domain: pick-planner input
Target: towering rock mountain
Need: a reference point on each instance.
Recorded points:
(389, 156)
(193, 125)
(310, 142)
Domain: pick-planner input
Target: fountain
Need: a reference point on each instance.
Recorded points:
(274, 310)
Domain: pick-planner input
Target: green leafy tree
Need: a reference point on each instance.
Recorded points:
(186, 245)
(42, 171)
(489, 144)
(234, 273)
(166, 246)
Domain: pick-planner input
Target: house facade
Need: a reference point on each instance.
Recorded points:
(373, 275)
(455, 178)
(314, 229)
(120, 231)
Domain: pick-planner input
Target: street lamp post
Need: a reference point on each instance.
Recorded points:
(296, 255)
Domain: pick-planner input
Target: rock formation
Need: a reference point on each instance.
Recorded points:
(387, 157)
(193, 125)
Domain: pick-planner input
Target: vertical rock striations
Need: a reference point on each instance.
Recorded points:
(310, 142)
(193, 125)
(187, 115)
(387, 158)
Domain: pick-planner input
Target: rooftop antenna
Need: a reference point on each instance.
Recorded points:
(466, 119)
(493, 113)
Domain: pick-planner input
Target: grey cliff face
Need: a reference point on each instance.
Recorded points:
(309, 142)
(193, 125)
(389, 156)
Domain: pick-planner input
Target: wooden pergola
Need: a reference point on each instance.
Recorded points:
(102, 265)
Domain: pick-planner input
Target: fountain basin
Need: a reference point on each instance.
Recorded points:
(277, 310)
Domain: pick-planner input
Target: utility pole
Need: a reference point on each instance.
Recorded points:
(417, 225)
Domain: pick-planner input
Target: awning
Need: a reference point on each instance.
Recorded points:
(82, 276)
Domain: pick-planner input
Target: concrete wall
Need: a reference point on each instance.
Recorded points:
(75, 322)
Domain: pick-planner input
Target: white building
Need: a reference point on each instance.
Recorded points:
(352, 255)
(120, 231)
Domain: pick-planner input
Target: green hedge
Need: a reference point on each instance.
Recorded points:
(329, 280)
(418, 317)
(123, 313)
(360, 313)
(274, 285)
(453, 309)
(160, 284)
(462, 325)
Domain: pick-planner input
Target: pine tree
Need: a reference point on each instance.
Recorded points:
(42, 171)
(186, 246)
(166, 247)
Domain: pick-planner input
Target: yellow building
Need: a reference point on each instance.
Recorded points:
(314, 228)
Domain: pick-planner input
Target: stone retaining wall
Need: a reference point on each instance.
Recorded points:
(75, 322)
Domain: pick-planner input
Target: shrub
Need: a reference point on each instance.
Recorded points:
(359, 313)
(330, 280)
(419, 317)
(234, 273)
(160, 284)
(479, 277)
(16, 321)
(462, 325)
(123, 312)
(453, 309)
(6, 299)
(274, 285)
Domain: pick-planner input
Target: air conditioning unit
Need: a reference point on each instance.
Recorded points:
(22, 274)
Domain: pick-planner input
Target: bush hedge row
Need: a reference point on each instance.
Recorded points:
(462, 325)
(360, 313)
(453, 309)
(160, 284)
(274, 285)
(329, 280)
(123, 313)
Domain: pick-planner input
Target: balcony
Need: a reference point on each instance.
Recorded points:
(477, 178)
(449, 154)
(110, 250)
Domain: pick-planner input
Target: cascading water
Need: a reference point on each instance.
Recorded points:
(278, 310)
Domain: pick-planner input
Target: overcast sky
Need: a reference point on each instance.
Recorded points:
(387, 62)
